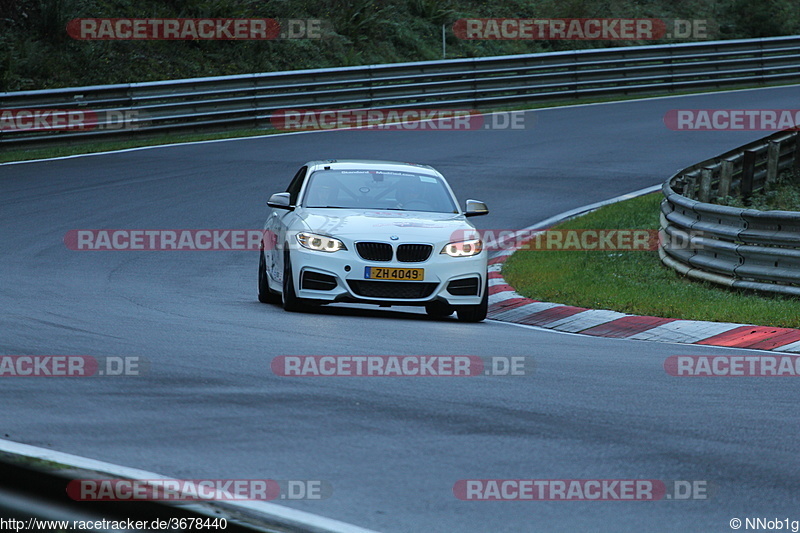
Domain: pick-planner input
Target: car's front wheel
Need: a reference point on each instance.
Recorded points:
(475, 313)
(265, 294)
(290, 300)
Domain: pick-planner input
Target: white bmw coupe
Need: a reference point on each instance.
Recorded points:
(373, 232)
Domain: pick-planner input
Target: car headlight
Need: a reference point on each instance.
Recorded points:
(320, 243)
(463, 248)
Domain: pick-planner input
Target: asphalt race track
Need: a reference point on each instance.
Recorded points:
(391, 448)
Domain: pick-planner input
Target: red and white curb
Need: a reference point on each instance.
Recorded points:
(506, 305)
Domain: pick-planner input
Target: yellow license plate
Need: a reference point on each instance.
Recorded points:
(394, 274)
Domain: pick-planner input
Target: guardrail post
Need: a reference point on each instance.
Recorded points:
(748, 170)
(704, 194)
(773, 153)
(689, 189)
(797, 151)
(725, 178)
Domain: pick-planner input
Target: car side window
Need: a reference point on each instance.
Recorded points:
(296, 185)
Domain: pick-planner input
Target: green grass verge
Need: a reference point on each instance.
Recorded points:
(783, 195)
(637, 282)
(41, 464)
(37, 53)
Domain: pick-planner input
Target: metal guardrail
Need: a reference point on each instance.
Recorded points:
(743, 248)
(35, 498)
(34, 486)
(248, 101)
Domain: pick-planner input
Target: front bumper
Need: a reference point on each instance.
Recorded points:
(452, 280)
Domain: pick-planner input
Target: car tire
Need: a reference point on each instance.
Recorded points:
(439, 309)
(290, 300)
(265, 294)
(475, 313)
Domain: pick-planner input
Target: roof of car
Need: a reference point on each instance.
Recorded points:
(359, 164)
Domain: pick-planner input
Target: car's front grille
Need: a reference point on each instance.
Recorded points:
(414, 253)
(392, 289)
(464, 287)
(317, 282)
(374, 251)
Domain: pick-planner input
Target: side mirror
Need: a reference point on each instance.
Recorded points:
(280, 200)
(475, 208)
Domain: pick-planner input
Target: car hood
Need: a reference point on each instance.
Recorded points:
(381, 225)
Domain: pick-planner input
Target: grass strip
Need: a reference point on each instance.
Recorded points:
(636, 282)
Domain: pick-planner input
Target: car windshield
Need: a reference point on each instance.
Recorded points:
(378, 189)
